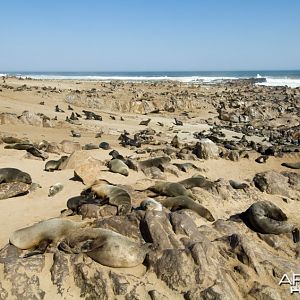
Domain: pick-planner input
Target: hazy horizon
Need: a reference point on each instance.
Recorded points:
(140, 36)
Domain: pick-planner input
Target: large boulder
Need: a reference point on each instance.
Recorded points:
(206, 149)
(31, 118)
(272, 182)
(88, 170)
(86, 167)
(9, 118)
(185, 261)
(70, 146)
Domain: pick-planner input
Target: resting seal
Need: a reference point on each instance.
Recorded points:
(110, 194)
(11, 189)
(49, 231)
(106, 247)
(292, 165)
(52, 165)
(54, 189)
(186, 166)
(151, 204)
(179, 202)
(197, 181)
(14, 140)
(14, 175)
(19, 146)
(118, 166)
(154, 162)
(266, 217)
(171, 189)
(238, 185)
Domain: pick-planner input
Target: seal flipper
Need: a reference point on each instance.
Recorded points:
(42, 247)
(91, 245)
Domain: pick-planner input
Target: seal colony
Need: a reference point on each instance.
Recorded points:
(163, 198)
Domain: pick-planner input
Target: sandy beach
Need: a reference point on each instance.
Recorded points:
(201, 110)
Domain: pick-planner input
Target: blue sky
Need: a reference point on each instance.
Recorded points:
(153, 35)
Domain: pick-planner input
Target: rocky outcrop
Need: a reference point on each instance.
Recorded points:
(275, 183)
(224, 261)
(69, 146)
(206, 149)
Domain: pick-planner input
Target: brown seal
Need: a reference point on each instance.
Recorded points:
(47, 231)
(110, 194)
(266, 217)
(179, 202)
(106, 247)
(14, 175)
(118, 166)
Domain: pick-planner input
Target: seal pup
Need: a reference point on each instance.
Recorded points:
(145, 122)
(104, 146)
(69, 107)
(151, 204)
(73, 117)
(48, 231)
(118, 166)
(106, 247)
(180, 202)
(110, 194)
(52, 165)
(14, 175)
(238, 185)
(57, 109)
(262, 159)
(116, 154)
(266, 217)
(75, 134)
(292, 165)
(95, 211)
(54, 189)
(38, 153)
(74, 203)
(178, 122)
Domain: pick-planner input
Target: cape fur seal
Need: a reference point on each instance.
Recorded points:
(106, 247)
(238, 185)
(14, 140)
(292, 165)
(51, 230)
(186, 166)
(54, 189)
(151, 204)
(171, 189)
(14, 175)
(53, 165)
(266, 217)
(179, 202)
(154, 162)
(118, 166)
(11, 189)
(197, 181)
(19, 146)
(110, 194)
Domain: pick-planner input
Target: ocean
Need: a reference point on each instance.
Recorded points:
(273, 78)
